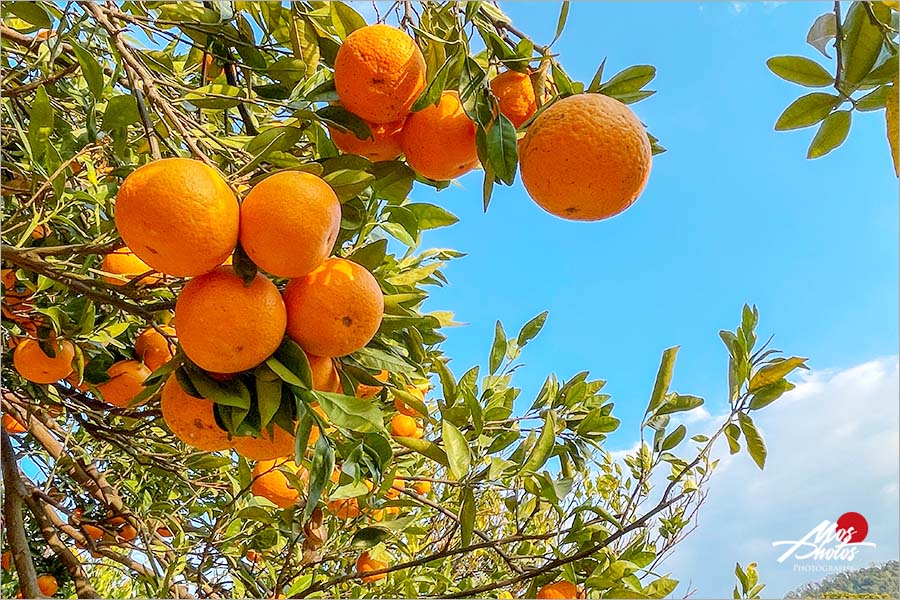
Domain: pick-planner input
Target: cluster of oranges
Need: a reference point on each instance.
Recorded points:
(46, 583)
(586, 157)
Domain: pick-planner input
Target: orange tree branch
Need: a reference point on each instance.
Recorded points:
(15, 521)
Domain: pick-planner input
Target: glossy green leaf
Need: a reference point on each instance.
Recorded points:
(806, 110)
(628, 80)
(799, 69)
(228, 393)
(32, 12)
(530, 330)
(756, 446)
(425, 448)
(90, 69)
(457, 449)
(775, 371)
(40, 123)
(319, 474)
(368, 537)
(862, 42)
(351, 412)
(766, 395)
(678, 403)
(500, 141)
(215, 96)
(467, 512)
(674, 438)
(544, 446)
(121, 111)
(430, 216)
(498, 348)
(831, 134)
(663, 379)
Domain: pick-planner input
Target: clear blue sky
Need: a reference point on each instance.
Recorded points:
(733, 213)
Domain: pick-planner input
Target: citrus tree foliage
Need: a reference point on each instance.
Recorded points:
(861, 47)
(502, 494)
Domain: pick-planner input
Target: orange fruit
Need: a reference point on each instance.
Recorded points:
(266, 447)
(324, 374)
(164, 532)
(41, 231)
(191, 419)
(213, 69)
(366, 564)
(335, 310)
(47, 584)
(6, 560)
(346, 508)
(270, 483)
(126, 380)
(34, 365)
(152, 348)
(515, 95)
(93, 532)
(585, 158)
(405, 426)
(379, 73)
(253, 556)
(125, 266)
(439, 141)
(225, 326)
(422, 487)
(403, 408)
(560, 589)
(178, 215)
(127, 533)
(289, 222)
(13, 425)
(383, 145)
(370, 391)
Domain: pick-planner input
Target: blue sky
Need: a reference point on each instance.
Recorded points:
(733, 213)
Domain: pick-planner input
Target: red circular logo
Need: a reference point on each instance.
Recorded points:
(853, 527)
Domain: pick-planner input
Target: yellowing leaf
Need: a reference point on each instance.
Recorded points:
(775, 371)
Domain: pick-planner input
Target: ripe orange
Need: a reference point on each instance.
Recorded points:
(125, 266)
(378, 73)
(383, 145)
(422, 487)
(559, 589)
(515, 94)
(226, 327)
(366, 564)
(370, 391)
(439, 141)
(6, 560)
(93, 532)
(34, 365)
(127, 533)
(41, 231)
(270, 483)
(585, 158)
(253, 556)
(191, 419)
(152, 348)
(324, 374)
(178, 215)
(47, 584)
(265, 447)
(213, 69)
(126, 380)
(405, 426)
(346, 508)
(402, 407)
(164, 532)
(289, 222)
(13, 425)
(335, 310)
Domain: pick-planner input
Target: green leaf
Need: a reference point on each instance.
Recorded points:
(288, 70)
(678, 403)
(544, 446)
(425, 448)
(215, 96)
(628, 80)
(344, 19)
(756, 446)
(268, 394)
(531, 329)
(319, 474)
(661, 588)
(862, 41)
(674, 438)
(467, 514)
(561, 21)
(430, 216)
(32, 12)
(501, 149)
(121, 111)
(561, 79)
(799, 69)
(368, 537)
(822, 31)
(292, 356)
(432, 94)
(457, 450)
(228, 393)
(806, 110)
(348, 183)
(874, 100)
(498, 348)
(832, 133)
(351, 412)
(775, 371)
(345, 120)
(732, 434)
(770, 393)
(274, 139)
(40, 123)
(90, 68)
(663, 378)
(371, 255)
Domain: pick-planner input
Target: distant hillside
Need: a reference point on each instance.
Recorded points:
(877, 581)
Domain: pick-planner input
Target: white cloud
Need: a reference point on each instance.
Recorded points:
(737, 7)
(833, 447)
